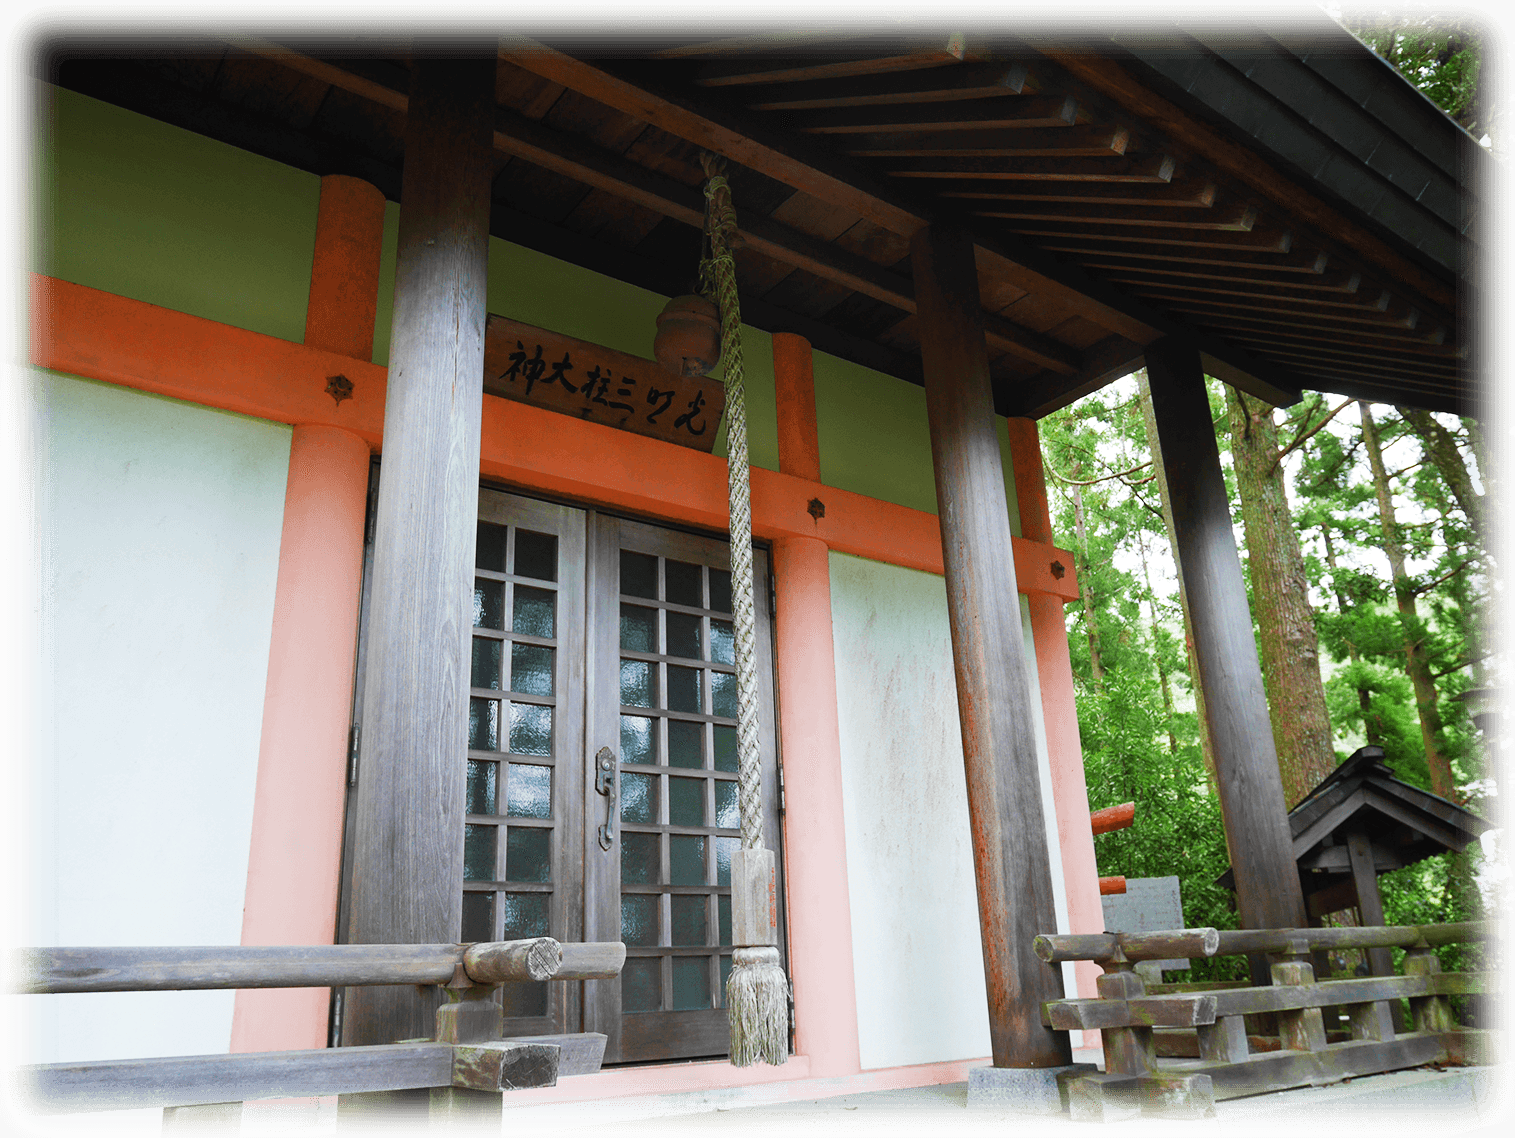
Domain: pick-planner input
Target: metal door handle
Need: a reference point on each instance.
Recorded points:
(605, 783)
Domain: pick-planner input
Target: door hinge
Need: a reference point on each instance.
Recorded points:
(791, 1015)
(780, 771)
(352, 754)
(773, 598)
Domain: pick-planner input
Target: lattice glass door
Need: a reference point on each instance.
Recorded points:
(661, 691)
(522, 866)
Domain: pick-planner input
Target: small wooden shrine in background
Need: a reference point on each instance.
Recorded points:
(1359, 822)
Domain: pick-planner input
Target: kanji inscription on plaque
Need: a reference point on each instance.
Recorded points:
(602, 385)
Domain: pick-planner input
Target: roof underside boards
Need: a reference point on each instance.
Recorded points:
(1289, 205)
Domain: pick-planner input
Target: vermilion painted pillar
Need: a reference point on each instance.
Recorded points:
(1059, 710)
(295, 858)
(815, 848)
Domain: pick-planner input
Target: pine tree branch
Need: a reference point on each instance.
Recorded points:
(1304, 437)
(1460, 665)
(1104, 478)
(1418, 590)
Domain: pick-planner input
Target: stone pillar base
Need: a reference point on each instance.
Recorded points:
(1027, 1090)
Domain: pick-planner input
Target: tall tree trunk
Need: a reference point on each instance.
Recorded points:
(1206, 744)
(1416, 664)
(1441, 450)
(1157, 656)
(1085, 579)
(1370, 724)
(1280, 601)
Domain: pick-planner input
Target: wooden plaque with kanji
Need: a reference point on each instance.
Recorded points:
(587, 381)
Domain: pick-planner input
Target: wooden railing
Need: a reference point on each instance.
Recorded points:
(1174, 1051)
(467, 1053)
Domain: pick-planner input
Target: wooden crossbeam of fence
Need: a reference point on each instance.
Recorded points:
(1250, 1039)
(159, 969)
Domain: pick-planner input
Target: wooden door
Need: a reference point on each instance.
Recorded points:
(522, 858)
(661, 691)
(600, 640)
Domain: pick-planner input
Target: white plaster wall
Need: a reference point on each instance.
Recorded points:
(917, 963)
(160, 525)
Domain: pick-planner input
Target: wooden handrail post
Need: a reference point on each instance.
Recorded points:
(1427, 1013)
(1302, 1029)
(204, 1118)
(1128, 1050)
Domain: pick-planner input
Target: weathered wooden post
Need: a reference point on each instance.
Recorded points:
(407, 851)
(1236, 707)
(1010, 859)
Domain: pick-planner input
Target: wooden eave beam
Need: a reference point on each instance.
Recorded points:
(1111, 359)
(1087, 249)
(1352, 386)
(1379, 311)
(1116, 82)
(1329, 280)
(1014, 112)
(1237, 217)
(717, 131)
(1303, 326)
(1098, 141)
(964, 82)
(870, 58)
(1191, 193)
(1148, 169)
(1265, 238)
(696, 47)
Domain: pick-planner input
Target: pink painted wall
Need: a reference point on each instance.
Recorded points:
(294, 867)
(1059, 711)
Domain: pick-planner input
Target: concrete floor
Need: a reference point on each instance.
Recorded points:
(1466, 1101)
(1421, 1103)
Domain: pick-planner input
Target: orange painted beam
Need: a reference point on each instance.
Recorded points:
(1112, 818)
(98, 335)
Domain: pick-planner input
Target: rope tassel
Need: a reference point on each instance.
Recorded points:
(757, 993)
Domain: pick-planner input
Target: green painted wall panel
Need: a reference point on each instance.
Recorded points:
(874, 438)
(146, 210)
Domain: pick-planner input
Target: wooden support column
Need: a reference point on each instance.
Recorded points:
(408, 809)
(815, 845)
(294, 861)
(1246, 765)
(1369, 900)
(1065, 750)
(1010, 859)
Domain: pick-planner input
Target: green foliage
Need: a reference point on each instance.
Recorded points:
(1140, 734)
(1440, 53)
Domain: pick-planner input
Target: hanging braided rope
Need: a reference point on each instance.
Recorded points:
(756, 991)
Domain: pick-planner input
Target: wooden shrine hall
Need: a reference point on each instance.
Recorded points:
(1008, 221)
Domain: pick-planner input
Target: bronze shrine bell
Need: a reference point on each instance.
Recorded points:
(689, 336)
